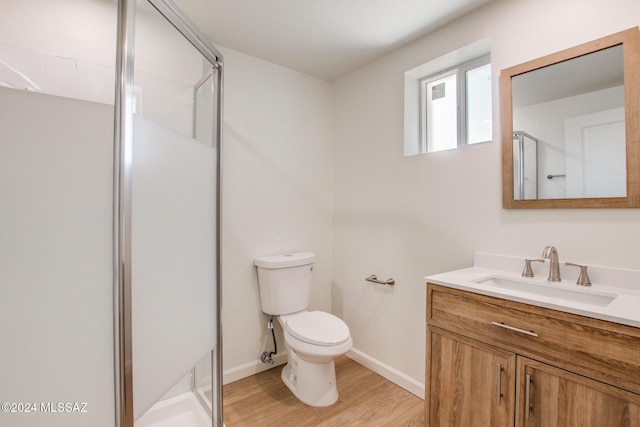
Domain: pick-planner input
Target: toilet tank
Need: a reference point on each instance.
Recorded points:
(285, 282)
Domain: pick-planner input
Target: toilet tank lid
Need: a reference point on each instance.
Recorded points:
(285, 260)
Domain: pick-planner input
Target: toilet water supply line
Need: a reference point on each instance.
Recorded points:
(266, 356)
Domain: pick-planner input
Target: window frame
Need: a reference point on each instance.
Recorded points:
(460, 71)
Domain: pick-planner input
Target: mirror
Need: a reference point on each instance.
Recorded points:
(571, 127)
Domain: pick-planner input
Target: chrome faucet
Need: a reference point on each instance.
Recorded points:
(551, 253)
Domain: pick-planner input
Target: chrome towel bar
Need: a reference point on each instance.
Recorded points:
(374, 279)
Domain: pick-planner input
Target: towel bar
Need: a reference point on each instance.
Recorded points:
(374, 279)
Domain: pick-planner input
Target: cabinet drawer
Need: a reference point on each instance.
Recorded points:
(601, 350)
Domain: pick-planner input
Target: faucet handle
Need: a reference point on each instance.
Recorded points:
(583, 278)
(528, 272)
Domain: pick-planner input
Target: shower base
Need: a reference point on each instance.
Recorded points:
(183, 410)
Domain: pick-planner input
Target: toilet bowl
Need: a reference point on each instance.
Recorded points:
(313, 340)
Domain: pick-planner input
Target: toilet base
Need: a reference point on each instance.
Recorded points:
(314, 384)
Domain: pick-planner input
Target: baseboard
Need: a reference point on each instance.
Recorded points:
(252, 368)
(406, 382)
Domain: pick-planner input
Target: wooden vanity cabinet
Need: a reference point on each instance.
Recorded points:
(560, 398)
(494, 362)
(476, 379)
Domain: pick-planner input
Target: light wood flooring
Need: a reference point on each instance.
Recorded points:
(365, 399)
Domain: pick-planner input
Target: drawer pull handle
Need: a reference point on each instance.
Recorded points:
(512, 328)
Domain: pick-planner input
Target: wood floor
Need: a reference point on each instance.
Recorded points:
(365, 399)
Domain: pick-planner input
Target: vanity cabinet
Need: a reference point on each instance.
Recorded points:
(495, 362)
(555, 397)
(474, 377)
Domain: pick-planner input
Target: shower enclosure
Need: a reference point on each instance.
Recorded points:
(525, 166)
(110, 272)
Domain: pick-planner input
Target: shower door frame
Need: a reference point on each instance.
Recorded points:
(122, 213)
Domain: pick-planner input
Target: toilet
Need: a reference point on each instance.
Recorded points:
(313, 339)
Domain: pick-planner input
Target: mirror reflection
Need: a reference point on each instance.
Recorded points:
(569, 132)
(569, 135)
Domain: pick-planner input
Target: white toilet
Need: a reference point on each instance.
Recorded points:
(313, 339)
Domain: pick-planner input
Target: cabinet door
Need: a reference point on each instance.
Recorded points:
(468, 383)
(552, 397)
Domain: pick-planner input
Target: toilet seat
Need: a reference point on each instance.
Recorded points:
(317, 327)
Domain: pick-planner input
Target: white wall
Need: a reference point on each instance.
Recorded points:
(277, 184)
(410, 217)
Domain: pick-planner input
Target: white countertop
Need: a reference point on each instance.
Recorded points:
(624, 309)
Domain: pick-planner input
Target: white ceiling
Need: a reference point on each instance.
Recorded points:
(322, 38)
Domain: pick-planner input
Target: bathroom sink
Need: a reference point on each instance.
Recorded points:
(550, 291)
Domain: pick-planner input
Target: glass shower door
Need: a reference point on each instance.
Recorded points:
(174, 228)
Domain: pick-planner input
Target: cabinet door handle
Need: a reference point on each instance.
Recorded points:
(527, 391)
(499, 387)
(513, 328)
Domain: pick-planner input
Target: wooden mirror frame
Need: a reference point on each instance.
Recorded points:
(630, 41)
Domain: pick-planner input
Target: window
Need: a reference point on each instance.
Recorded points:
(447, 101)
(455, 107)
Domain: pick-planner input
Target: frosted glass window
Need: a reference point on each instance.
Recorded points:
(478, 83)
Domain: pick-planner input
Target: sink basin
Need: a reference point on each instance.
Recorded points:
(550, 291)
